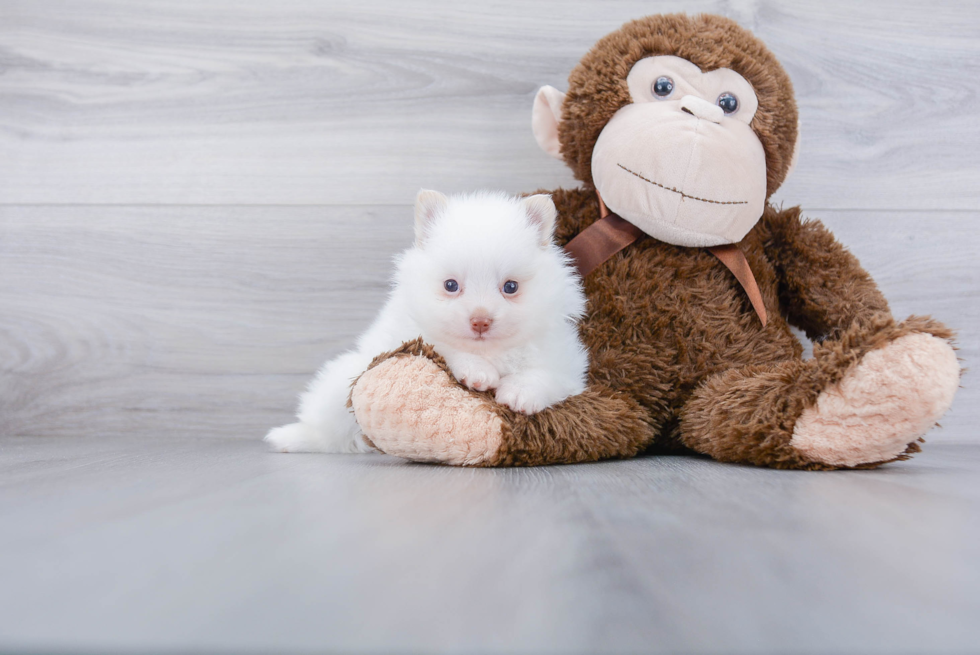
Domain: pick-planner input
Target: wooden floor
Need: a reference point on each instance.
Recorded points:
(189, 544)
(198, 205)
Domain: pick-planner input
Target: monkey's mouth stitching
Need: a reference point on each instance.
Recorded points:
(682, 194)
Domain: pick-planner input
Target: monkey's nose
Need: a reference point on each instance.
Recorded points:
(480, 324)
(702, 109)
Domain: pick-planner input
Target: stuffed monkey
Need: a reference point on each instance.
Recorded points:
(680, 129)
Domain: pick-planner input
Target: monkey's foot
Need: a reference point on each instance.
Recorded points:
(409, 405)
(882, 406)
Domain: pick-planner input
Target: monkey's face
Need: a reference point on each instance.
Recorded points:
(681, 161)
(684, 124)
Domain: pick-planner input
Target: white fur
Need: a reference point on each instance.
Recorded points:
(531, 354)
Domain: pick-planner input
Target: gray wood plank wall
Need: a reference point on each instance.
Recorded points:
(199, 201)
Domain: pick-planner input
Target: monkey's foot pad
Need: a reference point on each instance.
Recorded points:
(411, 407)
(886, 402)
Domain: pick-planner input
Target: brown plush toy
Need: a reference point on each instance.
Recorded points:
(684, 127)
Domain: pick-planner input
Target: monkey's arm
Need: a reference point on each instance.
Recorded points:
(822, 287)
(407, 404)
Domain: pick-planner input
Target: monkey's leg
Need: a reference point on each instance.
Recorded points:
(863, 400)
(409, 405)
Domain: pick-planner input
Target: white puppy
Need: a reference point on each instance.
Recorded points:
(484, 285)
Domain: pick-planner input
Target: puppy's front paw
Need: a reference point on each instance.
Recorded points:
(523, 396)
(476, 374)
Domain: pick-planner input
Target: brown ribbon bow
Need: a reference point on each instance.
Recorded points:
(597, 243)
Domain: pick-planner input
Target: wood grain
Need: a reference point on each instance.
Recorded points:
(121, 319)
(300, 102)
(210, 320)
(175, 545)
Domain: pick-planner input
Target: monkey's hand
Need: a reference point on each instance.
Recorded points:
(408, 404)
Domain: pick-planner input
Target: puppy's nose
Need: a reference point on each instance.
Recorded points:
(480, 323)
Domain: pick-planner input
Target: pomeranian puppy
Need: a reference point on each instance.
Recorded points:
(484, 285)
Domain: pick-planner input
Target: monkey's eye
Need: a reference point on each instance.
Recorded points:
(452, 286)
(728, 103)
(510, 287)
(663, 86)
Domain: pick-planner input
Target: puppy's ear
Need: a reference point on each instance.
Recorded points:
(541, 213)
(428, 205)
(545, 116)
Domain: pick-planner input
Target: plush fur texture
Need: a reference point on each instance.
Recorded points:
(597, 86)
(900, 389)
(678, 357)
(749, 414)
(449, 424)
(408, 401)
(506, 321)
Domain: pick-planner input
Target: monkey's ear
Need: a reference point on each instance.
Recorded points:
(545, 118)
(428, 205)
(541, 213)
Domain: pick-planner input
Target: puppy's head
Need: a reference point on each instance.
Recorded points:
(484, 273)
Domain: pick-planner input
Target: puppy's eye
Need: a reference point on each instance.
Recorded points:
(662, 87)
(452, 286)
(510, 286)
(728, 103)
